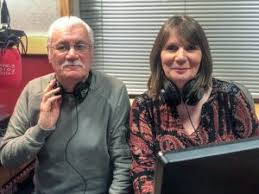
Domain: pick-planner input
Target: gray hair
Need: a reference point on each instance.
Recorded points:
(69, 21)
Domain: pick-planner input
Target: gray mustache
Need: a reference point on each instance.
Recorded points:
(71, 63)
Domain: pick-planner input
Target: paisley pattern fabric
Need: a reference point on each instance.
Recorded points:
(154, 126)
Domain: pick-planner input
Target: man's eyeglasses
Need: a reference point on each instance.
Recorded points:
(78, 47)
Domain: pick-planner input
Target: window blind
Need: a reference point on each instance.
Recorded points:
(125, 31)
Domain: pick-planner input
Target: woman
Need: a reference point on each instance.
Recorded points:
(184, 105)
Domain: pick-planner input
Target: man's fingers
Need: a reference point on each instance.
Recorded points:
(50, 91)
(52, 99)
(50, 85)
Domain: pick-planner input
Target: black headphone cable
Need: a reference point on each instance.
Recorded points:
(66, 151)
(189, 116)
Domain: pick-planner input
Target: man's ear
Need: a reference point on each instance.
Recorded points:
(48, 51)
(49, 55)
(92, 55)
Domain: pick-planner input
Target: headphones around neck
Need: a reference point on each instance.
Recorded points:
(81, 89)
(173, 96)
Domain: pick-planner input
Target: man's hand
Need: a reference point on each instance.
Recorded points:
(49, 107)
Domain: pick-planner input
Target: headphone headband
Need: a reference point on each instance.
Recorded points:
(173, 96)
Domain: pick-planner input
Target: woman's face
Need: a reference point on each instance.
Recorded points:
(180, 59)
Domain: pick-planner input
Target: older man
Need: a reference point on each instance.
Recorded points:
(73, 121)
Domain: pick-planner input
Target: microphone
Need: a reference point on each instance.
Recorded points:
(5, 17)
(11, 48)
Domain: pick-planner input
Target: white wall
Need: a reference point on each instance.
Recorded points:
(32, 16)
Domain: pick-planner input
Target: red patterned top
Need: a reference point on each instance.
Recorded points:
(154, 126)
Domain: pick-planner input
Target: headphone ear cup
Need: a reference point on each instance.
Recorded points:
(171, 94)
(81, 91)
(192, 98)
(57, 84)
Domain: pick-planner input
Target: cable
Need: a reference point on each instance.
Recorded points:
(10, 38)
(66, 150)
(189, 116)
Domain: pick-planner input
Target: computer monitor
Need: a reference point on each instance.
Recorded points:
(229, 168)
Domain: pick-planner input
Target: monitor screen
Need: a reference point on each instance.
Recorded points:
(230, 168)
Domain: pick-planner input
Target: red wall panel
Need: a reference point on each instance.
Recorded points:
(32, 66)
